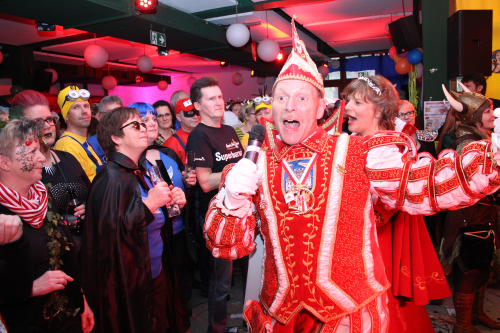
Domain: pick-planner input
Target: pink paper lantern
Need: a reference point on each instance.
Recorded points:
(268, 50)
(54, 74)
(109, 82)
(1, 57)
(162, 85)
(144, 64)
(387, 30)
(95, 56)
(261, 80)
(237, 79)
(323, 70)
(191, 80)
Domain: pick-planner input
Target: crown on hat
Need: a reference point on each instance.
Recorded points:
(466, 103)
(299, 65)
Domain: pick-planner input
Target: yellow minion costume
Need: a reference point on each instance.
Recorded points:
(71, 142)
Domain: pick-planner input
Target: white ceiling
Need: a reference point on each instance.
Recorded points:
(198, 5)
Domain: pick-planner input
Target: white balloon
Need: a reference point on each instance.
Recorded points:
(496, 113)
(323, 70)
(144, 63)
(268, 50)
(335, 64)
(497, 120)
(95, 56)
(237, 79)
(237, 34)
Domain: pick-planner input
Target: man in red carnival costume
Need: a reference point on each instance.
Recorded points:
(322, 268)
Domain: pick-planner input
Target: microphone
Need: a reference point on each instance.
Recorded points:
(255, 141)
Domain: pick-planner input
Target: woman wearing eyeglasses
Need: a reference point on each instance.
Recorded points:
(410, 261)
(406, 112)
(61, 169)
(166, 120)
(125, 262)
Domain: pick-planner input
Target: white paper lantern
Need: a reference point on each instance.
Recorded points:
(268, 50)
(144, 63)
(191, 80)
(109, 82)
(162, 85)
(323, 70)
(237, 79)
(95, 56)
(261, 80)
(54, 74)
(237, 34)
(335, 64)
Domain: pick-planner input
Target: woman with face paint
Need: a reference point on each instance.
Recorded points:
(55, 302)
(60, 169)
(407, 251)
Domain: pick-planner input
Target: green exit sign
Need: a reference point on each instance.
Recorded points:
(157, 38)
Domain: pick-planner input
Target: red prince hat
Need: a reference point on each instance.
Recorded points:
(299, 65)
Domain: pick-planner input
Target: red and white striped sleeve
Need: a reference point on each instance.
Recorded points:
(422, 185)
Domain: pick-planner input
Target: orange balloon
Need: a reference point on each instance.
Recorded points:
(396, 59)
(419, 48)
(403, 66)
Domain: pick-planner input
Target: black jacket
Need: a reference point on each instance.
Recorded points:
(117, 271)
(21, 312)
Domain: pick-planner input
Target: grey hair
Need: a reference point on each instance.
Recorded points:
(109, 100)
(16, 132)
(175, 97)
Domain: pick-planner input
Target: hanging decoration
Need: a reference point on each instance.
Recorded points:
(1, 56)
(261, 80)
(144, 64)
(95, 56)
(268, 49)
(323, 70)
(109, 82)
(162, 84)
(237, 79)
(191, 80)
(335, 64)
(237, 34)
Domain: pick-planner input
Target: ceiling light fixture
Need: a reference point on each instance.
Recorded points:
(146, 6)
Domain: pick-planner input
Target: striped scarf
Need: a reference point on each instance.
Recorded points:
(33, 209)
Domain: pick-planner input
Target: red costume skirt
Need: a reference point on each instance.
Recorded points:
(413, 268)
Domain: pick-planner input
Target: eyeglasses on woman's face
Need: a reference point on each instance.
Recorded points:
(137, 125)
(406, 115)
(51, 121)
(164, 116)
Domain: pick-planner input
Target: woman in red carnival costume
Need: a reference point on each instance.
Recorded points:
(411, 263)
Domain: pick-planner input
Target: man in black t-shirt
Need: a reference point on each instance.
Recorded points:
(215, 146)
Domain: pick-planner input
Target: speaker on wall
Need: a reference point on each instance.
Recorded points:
(405, 35)
(470, 34)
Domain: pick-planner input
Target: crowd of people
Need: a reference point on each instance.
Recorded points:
(103, 225)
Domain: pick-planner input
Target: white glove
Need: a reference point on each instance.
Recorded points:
(495, 136)
(241, 182)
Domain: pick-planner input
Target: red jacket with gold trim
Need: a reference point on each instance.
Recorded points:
(328, 261)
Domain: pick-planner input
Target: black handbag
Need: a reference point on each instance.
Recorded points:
(477, 247)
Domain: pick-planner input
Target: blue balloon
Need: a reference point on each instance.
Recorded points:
(414, 57)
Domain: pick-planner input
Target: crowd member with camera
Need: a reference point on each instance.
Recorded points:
(125, 246)
(57, 303)
(68, 183)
